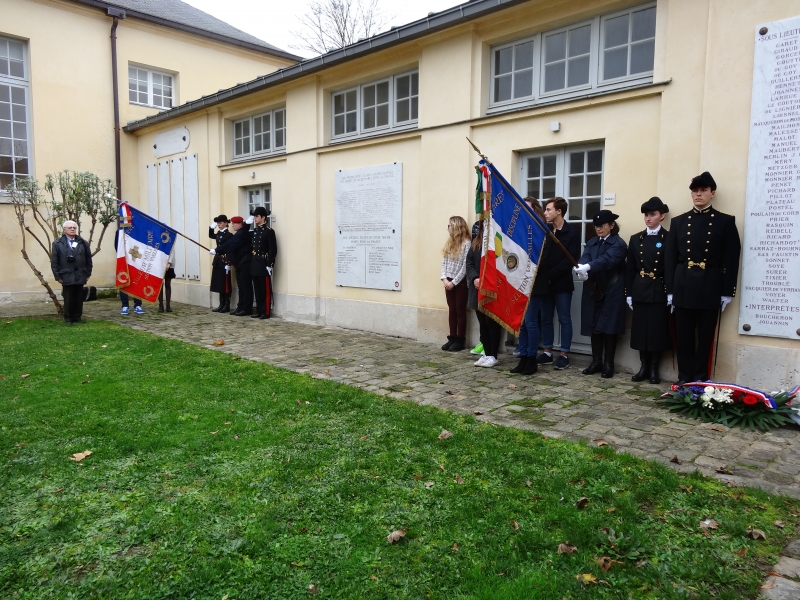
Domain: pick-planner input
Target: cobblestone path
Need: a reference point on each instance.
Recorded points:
(559, 404)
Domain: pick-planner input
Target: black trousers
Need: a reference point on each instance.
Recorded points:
(262, 286)
(73, 302)
(490, 334)
(694, 330)
(244, 280)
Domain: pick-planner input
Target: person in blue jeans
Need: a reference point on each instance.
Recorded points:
(560, 285)
(125, 299)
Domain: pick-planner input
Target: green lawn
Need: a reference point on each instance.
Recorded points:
(214, 477)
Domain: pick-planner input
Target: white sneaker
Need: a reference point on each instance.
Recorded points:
(489, 361)
(480, 361)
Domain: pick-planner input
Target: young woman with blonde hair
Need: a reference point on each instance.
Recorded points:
(454, 269)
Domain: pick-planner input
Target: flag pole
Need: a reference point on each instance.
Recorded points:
(597, 293)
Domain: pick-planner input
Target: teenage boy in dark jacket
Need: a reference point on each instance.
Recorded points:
(560, 285)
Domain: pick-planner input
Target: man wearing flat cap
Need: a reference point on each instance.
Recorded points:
(603, 265)
(646, 292)
(702, 266)
(220, 270)
(264, 251)
(238, 250)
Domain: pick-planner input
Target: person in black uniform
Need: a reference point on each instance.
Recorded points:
(220, 276)
(239, 251)
(646, 293)
(265, 249)
(702, 266)
(603, 264)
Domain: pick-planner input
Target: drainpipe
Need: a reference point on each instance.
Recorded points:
(117, 14)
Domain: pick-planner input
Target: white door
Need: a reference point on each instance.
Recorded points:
(576, 174)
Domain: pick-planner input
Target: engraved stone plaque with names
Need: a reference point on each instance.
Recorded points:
(770, 291)
(369, 209)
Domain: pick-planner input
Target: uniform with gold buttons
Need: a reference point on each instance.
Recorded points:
(264, 251)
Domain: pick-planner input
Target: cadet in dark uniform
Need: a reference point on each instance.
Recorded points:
(646, 292)
(265, 249)
(603, 263)
(220, 276)
(702, 266)
(239, 251)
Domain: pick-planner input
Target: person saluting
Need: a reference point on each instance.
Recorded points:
(702, 266)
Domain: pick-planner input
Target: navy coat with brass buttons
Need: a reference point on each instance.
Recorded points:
(264, 250)
(220, 280)
(702, 259)
(644, 283)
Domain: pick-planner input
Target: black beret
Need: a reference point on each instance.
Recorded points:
(260, 211)
(654, 204)
(603, 217)
(221, 218)
(476, 227)
(703, 180)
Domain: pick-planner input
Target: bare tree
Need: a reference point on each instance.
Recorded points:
(333, 24)
(66, 195)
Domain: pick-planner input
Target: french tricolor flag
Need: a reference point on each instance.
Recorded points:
(513, 239)
(143, 249)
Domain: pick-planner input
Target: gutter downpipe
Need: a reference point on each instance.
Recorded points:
(117, 15)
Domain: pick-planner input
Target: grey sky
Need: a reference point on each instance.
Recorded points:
(273, 21)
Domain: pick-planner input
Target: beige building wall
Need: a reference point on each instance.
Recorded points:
(72, 116)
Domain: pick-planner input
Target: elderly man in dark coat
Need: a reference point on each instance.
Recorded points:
(603, 264)
(71, 263)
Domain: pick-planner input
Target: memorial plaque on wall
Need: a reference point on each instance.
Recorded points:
(770, 292)
(369, 208)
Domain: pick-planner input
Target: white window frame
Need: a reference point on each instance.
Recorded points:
(150, 72)
(411, 96)
(596, 83)
(393, 124)
(250, 121)
(628, 77)
(23, 83)
(265, 190)
(537, 51)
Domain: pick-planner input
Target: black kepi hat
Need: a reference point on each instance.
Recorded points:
(654, 204)
(703, 180)
(603, 217)
(260, 211)
(221, 218)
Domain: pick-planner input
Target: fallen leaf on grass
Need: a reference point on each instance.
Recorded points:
(779, 524)
(328, 372)
(742, 552)
(445, 434)
(104, 346)
(428, 484)
(640, 564)
(420, 476)
(688, 490)
(581, 503)
(79, 456)
(606, 563)
(612, 509)
(724, 471)
(721, 428)
(676, 460)
(214, 432)
(236, 437)
(455, 547)
(476, 412)
(528, 483)
(363, 437)
(22, 444)
(441, 467)
(709, 524)
(373, 578)
(59, 490)
(600, 442)
(233, 410)
(756, 534)
(219, 343)
(515, 525)
(458, 480)
(312, 589)
(513, 386)
(228, 422)
(395, 536)
(298, 402)
(567, 548)
(25, 376)
(586, 578)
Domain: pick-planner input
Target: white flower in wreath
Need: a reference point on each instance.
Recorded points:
(708, 396)
(709, 390)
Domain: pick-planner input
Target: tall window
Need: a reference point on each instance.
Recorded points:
(150, 88)
(262, 134)
(575, 173)
(14, 112)
(383, 105)
(616, 50)
(260, 195)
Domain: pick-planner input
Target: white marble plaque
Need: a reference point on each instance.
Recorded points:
(770, 292)
(369, 209)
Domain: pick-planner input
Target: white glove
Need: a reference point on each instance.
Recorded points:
(583, 268)
(669, 303)
(269, 270)
(212, 252)
(227, 268)
(724, 301)
(250, 220)
(629, 299)
(213, 226)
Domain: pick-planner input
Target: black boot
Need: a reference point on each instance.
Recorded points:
(225, 303)
(160, 305)
(644, 370)
(531, 366)
(521, 366)
(610, 344)
(597, 355)
(458, 344)
(221, 303)
(655, 360)
(450, 340)
(168, 294)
